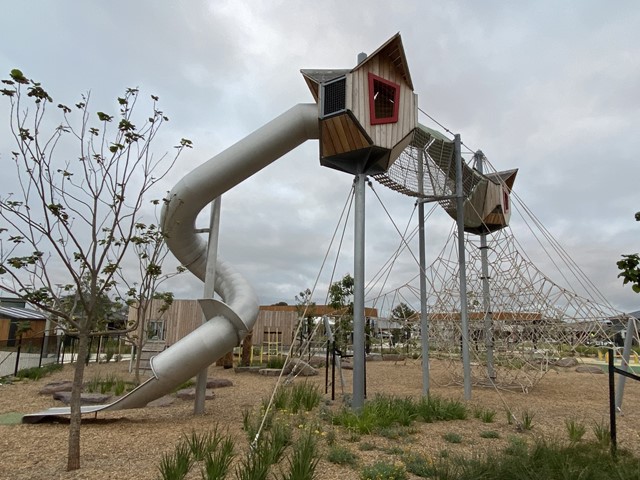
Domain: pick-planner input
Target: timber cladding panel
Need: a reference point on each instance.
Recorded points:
(341, 134)
(383, 135)
(5, 324)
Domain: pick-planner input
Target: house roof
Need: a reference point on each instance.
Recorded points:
(393, 49)
(21, 313)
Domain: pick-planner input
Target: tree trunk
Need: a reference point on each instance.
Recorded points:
(138, 358)
(247, 345)
(227, 360)
(73, 458)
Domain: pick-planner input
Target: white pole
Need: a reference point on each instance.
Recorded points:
(209, 292)
(358, 293)
(464, 319)
(486, 295)
(424, 315)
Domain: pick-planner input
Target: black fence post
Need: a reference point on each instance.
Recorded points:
(41, 351)
(612, 404)
(15, 370)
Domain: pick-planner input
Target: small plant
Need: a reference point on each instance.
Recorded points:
(384, 471)
(277, 440)
(331, 437)
(432, 409)
(526, 420)
(602, 433)
(517, 447)
(304, 396)
(487, 416)
(452, 437)
(419, 465)
(280, 399)
(119, 387)
(354, 437)
(510, 416)
(252, 467)
(218, 462)
(276, 362)
(201, 444)
(575, 429)
(341, 456)
(489, 434)
(393, 433)
(394, 451)
(176, 465)
(367, 447)
(93, 385)
(303, 460)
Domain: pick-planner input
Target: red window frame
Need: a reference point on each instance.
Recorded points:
(372, 105)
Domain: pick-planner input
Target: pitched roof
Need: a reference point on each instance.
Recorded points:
(393, 49)
(21, 313)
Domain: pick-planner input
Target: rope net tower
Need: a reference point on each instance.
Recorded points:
(530, 321)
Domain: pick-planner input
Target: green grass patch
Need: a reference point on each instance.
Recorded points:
(544, 460)
(36, 373)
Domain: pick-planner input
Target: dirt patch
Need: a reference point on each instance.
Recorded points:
(130, 443)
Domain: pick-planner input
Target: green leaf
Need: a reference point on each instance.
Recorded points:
(103, 117)
(18, 76)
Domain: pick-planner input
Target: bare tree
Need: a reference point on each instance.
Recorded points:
(144, 297)
(72, 217)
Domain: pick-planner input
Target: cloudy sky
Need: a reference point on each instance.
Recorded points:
(551, 88)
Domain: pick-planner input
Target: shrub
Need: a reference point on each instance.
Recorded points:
(303, 460)
(341, 456)
(452, 437)
(419, 465)
(36, 373)
(489, 434)
(384, 471)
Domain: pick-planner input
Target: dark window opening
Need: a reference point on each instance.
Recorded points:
(383, 100)
(334, 97)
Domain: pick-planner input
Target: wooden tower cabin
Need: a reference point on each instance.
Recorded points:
(367, 114)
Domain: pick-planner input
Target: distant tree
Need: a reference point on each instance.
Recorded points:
(280, 304)
(72, 217)
(403, 314)
(341, 300)
(306, 309)
(630, 267)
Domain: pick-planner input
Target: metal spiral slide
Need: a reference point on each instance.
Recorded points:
(228, 320)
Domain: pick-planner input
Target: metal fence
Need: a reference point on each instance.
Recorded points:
(20, 354)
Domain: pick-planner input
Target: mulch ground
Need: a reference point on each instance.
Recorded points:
(130, 444)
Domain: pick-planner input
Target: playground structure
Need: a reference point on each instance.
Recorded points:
(365, 120)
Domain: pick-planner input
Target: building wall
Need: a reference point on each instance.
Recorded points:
(389, 134)
(275, 323)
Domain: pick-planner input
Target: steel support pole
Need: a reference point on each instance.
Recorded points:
(424, 314)
(626, 353)
(358, 293)
(464, 318)
(486, 296)
(209, 292)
